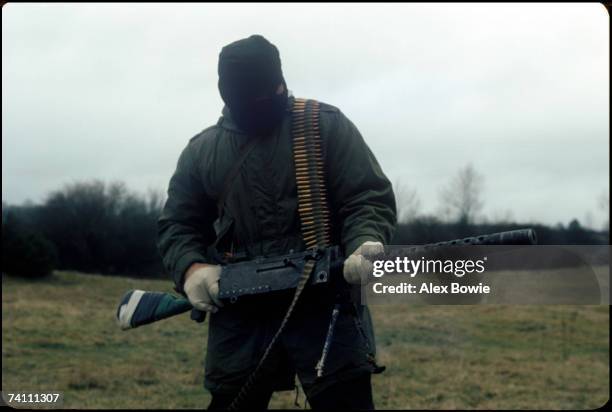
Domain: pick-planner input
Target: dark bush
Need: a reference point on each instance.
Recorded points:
(103, 228)
(25, 252)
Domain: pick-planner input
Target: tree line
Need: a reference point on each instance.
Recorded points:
(105, 228)
(86, 226)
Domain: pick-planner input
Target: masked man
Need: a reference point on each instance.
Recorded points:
(234, 194)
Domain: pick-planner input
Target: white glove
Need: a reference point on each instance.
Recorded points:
(357, 269)
(202, 288)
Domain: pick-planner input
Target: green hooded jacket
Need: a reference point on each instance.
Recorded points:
(260, 217)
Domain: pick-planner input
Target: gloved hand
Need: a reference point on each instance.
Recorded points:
(357, 269)
(202, 286)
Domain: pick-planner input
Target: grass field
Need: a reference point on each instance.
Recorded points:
(59, 334)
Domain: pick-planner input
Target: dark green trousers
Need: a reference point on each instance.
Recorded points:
(239, 334)
(353, 394)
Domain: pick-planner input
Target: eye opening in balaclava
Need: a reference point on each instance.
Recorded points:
(249, 76)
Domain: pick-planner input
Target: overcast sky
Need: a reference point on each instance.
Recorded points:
(114, 91)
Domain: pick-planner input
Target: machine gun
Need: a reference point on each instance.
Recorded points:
(264, 275)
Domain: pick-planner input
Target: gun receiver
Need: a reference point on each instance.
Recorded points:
(271, 274)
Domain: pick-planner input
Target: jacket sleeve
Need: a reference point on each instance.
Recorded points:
(185, 226)
(361, 195)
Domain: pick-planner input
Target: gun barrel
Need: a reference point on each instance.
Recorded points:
(512, 237)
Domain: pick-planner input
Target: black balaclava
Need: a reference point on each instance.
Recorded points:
(249, 75)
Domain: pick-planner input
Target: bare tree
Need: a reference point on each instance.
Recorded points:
(604, 206)
(462, 198)
(407, 201)
(588, 219)
(156, 198)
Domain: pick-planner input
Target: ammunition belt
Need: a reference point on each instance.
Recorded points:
(310, 174)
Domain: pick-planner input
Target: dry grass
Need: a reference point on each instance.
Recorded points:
(59, 334)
